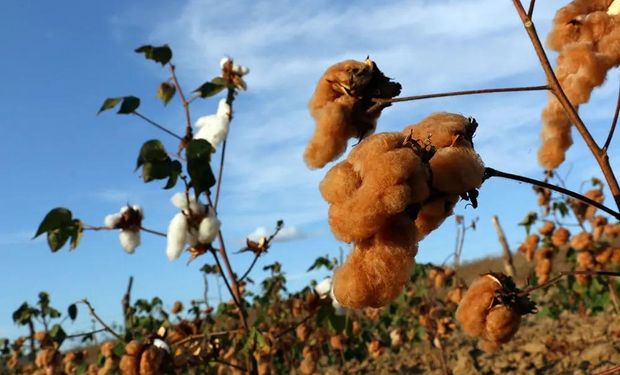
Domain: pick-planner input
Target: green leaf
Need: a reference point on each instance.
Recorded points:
(161, 54)
(198, 153)
(323, 262)
(76, 234)
(165, 92)
(213, 87)
(54, 219)
(109, 103)
(152, 151)
(23, 314)
(129, 105)
(157, 165)
(58, 334)
(337, 322)
(528, 221)
(57, 238)
(72, 311)
(175, 171)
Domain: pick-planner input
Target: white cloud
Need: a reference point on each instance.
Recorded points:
(288, 233)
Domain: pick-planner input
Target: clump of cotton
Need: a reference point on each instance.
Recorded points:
(177, 233)
(214, 128)
(209, 227)
(130, 240)
(129, 221)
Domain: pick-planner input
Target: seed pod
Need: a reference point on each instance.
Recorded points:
(560, 237)
(581, 241)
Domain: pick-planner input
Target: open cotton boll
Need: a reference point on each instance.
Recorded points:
(215, 131)
(177, 234)
(614, 8)
(180, 201)
(129, 239)
(138, 208)
(209, 227)
(240, 69)
(324, 287)
(224, 61)
(112, 220)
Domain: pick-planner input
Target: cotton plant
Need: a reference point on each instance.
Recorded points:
(195, 225)
(129, 221)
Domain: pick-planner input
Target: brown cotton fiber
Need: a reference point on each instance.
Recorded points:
(373, 185)
(340, 107)
(377, 268)
(588, 41)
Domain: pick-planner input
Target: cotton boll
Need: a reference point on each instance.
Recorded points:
(138, 208)
(215, 131)
(180, 201)
(209, 227)
(456, 170)
(377, 269)
(129, 239)
(339, 183)
(112, 220)
(224, 61)
(433, 213)
(324, 287)
(176, 237)
(192, 236)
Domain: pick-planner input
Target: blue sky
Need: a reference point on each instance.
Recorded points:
(60, 61)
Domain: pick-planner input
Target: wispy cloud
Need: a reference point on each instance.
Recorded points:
(288, 233)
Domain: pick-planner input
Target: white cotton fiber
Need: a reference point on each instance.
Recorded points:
(176, 237)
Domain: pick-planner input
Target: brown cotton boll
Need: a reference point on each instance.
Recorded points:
(440, 130)
(107, 349)
(581, 241)
(543, 264)
(332, 132)
(609, 44)
(502, 322)
(604, 256)
(109, 367)
(585, 260)
(456, 295)
(582, 279)
(615, 256)
(378, 268)
(433, 213)
(339, 183)
(456, 170)
(551, 154)
(597, 196)
(375, 349)
(302, 331)
(612, 231)
(476, 302)
(579, 70)
(560, 237)
(340, 105)
(574, 22)
(547, 228)
(151, 361)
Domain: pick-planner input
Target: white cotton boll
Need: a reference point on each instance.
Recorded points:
(123, 209)
(179, 200)
(223, 108)
(324, 287)
(209, 227)
(161, 344)
(224, 61)
(130, 240)
(206, 121)
(244, 70)
(177, 233)
(614, 8)
(215, 133)
(339, 309)
(112, 220)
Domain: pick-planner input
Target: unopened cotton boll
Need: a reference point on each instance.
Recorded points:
(209, 227)
(112, 220)
(129, 239)
(324, 287)
(177, 234)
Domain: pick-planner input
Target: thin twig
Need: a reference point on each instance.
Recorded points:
(160, 127)
(188, 120)
(200, 336)
(599, 155)
(220, 173)
(126, 305)
(490, 172)
(530, 11)
(151, 231)
(568, 273)
(614, 122)
(507, 255)
(610, 371)
(256, 256)
(234, 288)
(381, 101)
(229, 364)
(105, 326)
(76, 335)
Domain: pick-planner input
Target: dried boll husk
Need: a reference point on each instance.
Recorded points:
(340, 105)
(585, 260)
(491, 309)
(378, 268)
(612, 231)
(582, 241)
(560, 237)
